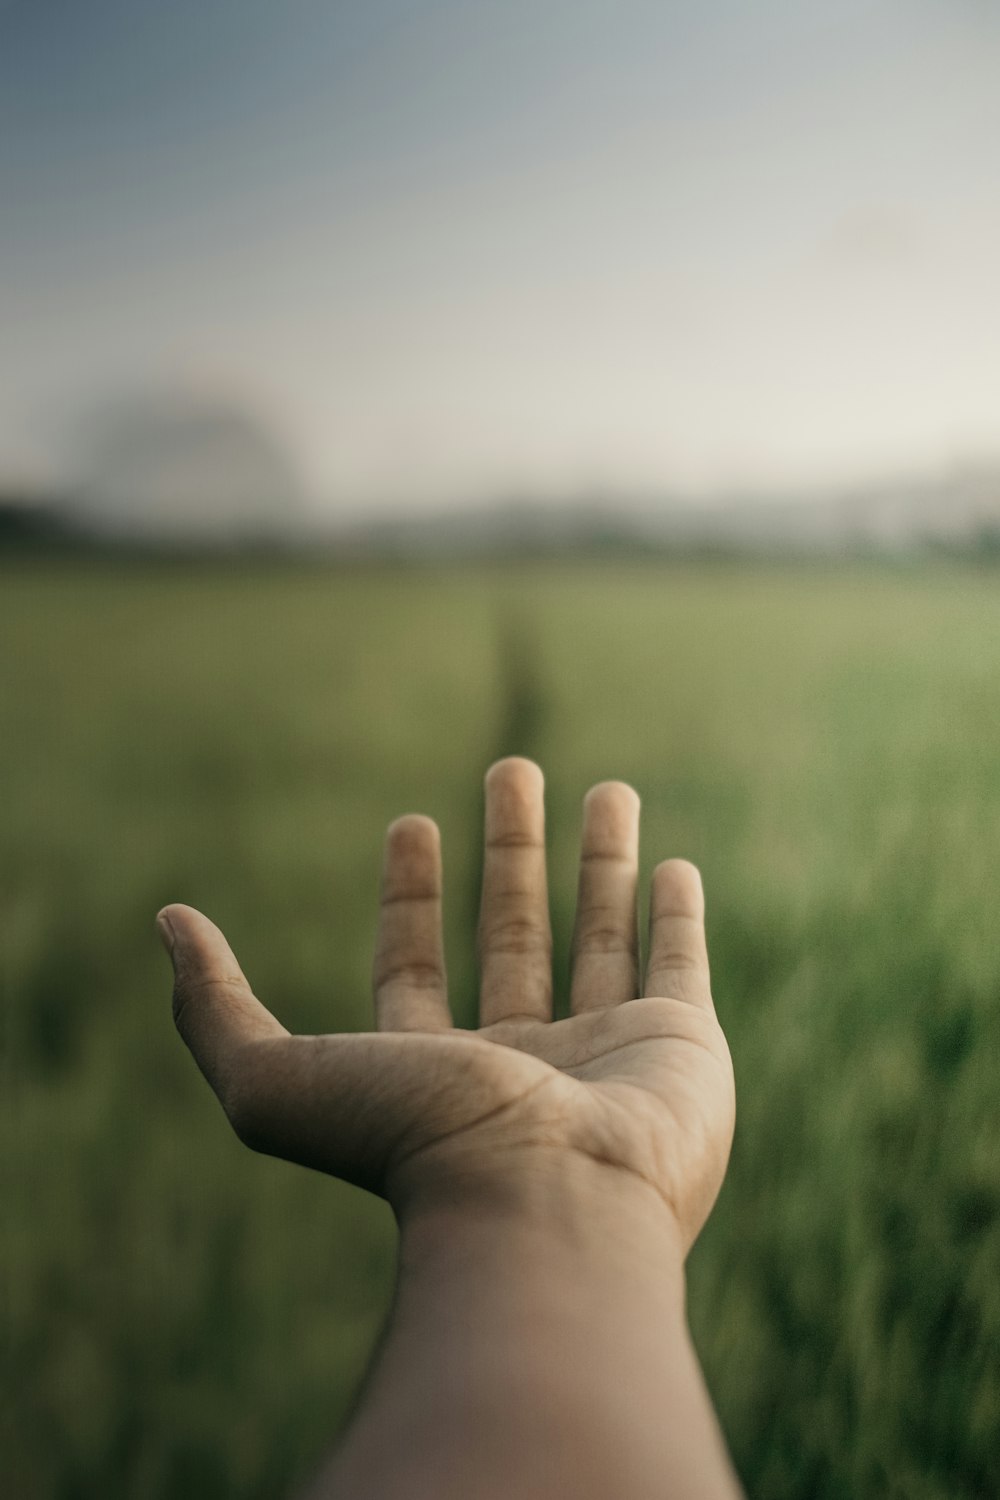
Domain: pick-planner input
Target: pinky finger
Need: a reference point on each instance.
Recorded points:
(678, 957)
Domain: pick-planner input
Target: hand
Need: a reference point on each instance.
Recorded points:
(422, 1112)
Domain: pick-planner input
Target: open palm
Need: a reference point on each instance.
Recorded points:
(635, 1079)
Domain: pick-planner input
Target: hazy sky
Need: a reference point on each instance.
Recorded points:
(448, 249)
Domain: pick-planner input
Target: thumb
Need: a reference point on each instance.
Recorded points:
(215, 1010)
(352, 1105)
(330, 1102)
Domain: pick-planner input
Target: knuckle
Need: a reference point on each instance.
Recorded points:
(604, 857)
(677, 959)
(410, 896)
(673, 927)
(212, 994)
(603, 938)
(517, 935)
(513, 838)
(417, 975)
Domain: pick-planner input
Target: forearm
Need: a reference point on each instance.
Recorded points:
(537, 1347)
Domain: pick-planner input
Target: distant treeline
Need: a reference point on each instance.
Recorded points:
(28, 528)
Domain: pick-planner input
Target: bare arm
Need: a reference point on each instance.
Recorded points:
(548, 1177)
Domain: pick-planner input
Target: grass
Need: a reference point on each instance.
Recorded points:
(183, 1319)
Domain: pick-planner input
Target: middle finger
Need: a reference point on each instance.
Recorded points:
(606, 937)
(515, 938)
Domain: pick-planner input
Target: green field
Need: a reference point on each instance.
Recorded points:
(183, 1319)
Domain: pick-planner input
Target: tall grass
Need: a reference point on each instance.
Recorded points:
(182, 1319)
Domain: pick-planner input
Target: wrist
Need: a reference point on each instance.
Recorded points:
(539, 1208)
(538, 1335)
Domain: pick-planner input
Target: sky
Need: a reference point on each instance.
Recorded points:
(448, 251)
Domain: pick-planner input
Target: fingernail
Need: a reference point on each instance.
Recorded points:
(166, 931)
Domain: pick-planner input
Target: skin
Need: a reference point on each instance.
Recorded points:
(548, 1177)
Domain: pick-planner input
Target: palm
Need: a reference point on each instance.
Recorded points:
(643, 1086)
(646, 1087)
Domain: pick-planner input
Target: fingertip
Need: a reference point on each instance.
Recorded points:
(515, 801)
(618, 792)
(678, 889)
(180, 925)
(195, 944)
(516, 772)
(165, 929)
(176, 913)
(411, 864)
(412, 830)
(611, 819)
